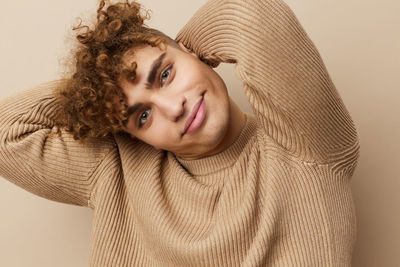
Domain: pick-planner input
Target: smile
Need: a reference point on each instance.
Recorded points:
(196, 118)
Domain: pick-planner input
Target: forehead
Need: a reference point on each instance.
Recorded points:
(145, 53)
(142, 54)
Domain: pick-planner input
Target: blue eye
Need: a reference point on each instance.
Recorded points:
(165, 75)
(143, 117)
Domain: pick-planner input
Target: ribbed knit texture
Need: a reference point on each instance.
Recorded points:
(279, 196)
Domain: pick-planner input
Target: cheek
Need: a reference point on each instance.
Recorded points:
(159, 135)
(185, 79)
(191, 73)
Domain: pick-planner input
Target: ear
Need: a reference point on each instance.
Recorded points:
(187, 50)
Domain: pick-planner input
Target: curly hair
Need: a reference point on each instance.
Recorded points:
(92, 102)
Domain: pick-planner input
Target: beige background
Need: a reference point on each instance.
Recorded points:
(359, 41)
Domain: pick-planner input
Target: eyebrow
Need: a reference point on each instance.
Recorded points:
(154, 70)
(155, 66)
(132, 109)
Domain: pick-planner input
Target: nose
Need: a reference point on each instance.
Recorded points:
(172, 107)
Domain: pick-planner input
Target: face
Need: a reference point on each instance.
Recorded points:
(176, 103)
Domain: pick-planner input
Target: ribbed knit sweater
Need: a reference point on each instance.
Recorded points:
(279, 196)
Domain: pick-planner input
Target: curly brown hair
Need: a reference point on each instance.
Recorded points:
(92, 102)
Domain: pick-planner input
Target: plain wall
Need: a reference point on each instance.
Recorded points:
(359, 41)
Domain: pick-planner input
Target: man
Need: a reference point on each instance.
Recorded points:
(176, 174)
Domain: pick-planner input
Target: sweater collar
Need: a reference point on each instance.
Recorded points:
(225, 158)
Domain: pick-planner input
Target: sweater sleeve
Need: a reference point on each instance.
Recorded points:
(284, 77)
(37, 158)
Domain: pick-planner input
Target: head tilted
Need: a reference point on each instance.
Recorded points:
(92, 101)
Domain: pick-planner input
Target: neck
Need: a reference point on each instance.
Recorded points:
(236, 124)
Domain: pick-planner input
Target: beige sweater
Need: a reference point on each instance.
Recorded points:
(279, 196)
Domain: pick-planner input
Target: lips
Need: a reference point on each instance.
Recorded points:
(195, 117)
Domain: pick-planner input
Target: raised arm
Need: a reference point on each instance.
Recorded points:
(37, 158)
(284, 76)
